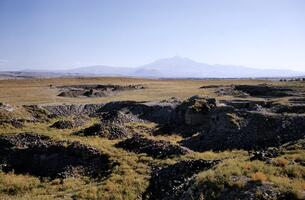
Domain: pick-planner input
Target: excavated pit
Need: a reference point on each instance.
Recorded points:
(42, 157)
(94, 90)
(155, 148)
(170, 182)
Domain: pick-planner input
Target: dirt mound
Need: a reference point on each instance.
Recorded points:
(157, 149)
(172, 181)
(69, 123)
(38, 113)
(239, 124)
(189, 117)
(230, 91)
(107, 130)
(248, 130)
(119, 116)
(42, 157)
(117, 111)
(158, 112)
(264, 90)
(249, 190)
(195, 110)
(72, 109)
(94, 90)
(63, 124)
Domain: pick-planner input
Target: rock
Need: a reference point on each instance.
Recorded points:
(265, 155)
(7, 107)
(155, 148)
(170, 182)
(196, 109)
(40, 156)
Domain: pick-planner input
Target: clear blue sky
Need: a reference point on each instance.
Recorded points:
(43, 34)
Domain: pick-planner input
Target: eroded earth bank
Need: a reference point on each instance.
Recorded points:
(248, 146)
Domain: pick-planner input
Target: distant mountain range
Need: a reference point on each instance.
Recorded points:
(179, 67)
(175, 67)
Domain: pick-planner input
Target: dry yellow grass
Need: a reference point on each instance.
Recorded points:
(130, 178)
(37, 91)
(259, 176)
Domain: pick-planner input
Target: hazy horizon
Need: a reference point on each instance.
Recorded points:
(62, 34)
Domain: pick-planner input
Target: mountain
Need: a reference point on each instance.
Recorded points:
(184, 67)
(102, 70)
(176, 67)
(179, 67)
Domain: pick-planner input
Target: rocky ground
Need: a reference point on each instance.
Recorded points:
(249, 146)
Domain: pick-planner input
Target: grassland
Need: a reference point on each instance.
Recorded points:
(38, 91)
(130, 178)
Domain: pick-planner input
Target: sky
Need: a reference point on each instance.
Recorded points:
(58, 34)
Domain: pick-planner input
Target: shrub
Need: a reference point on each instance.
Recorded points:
(280, 162)
(259, 177)
(295, 171)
